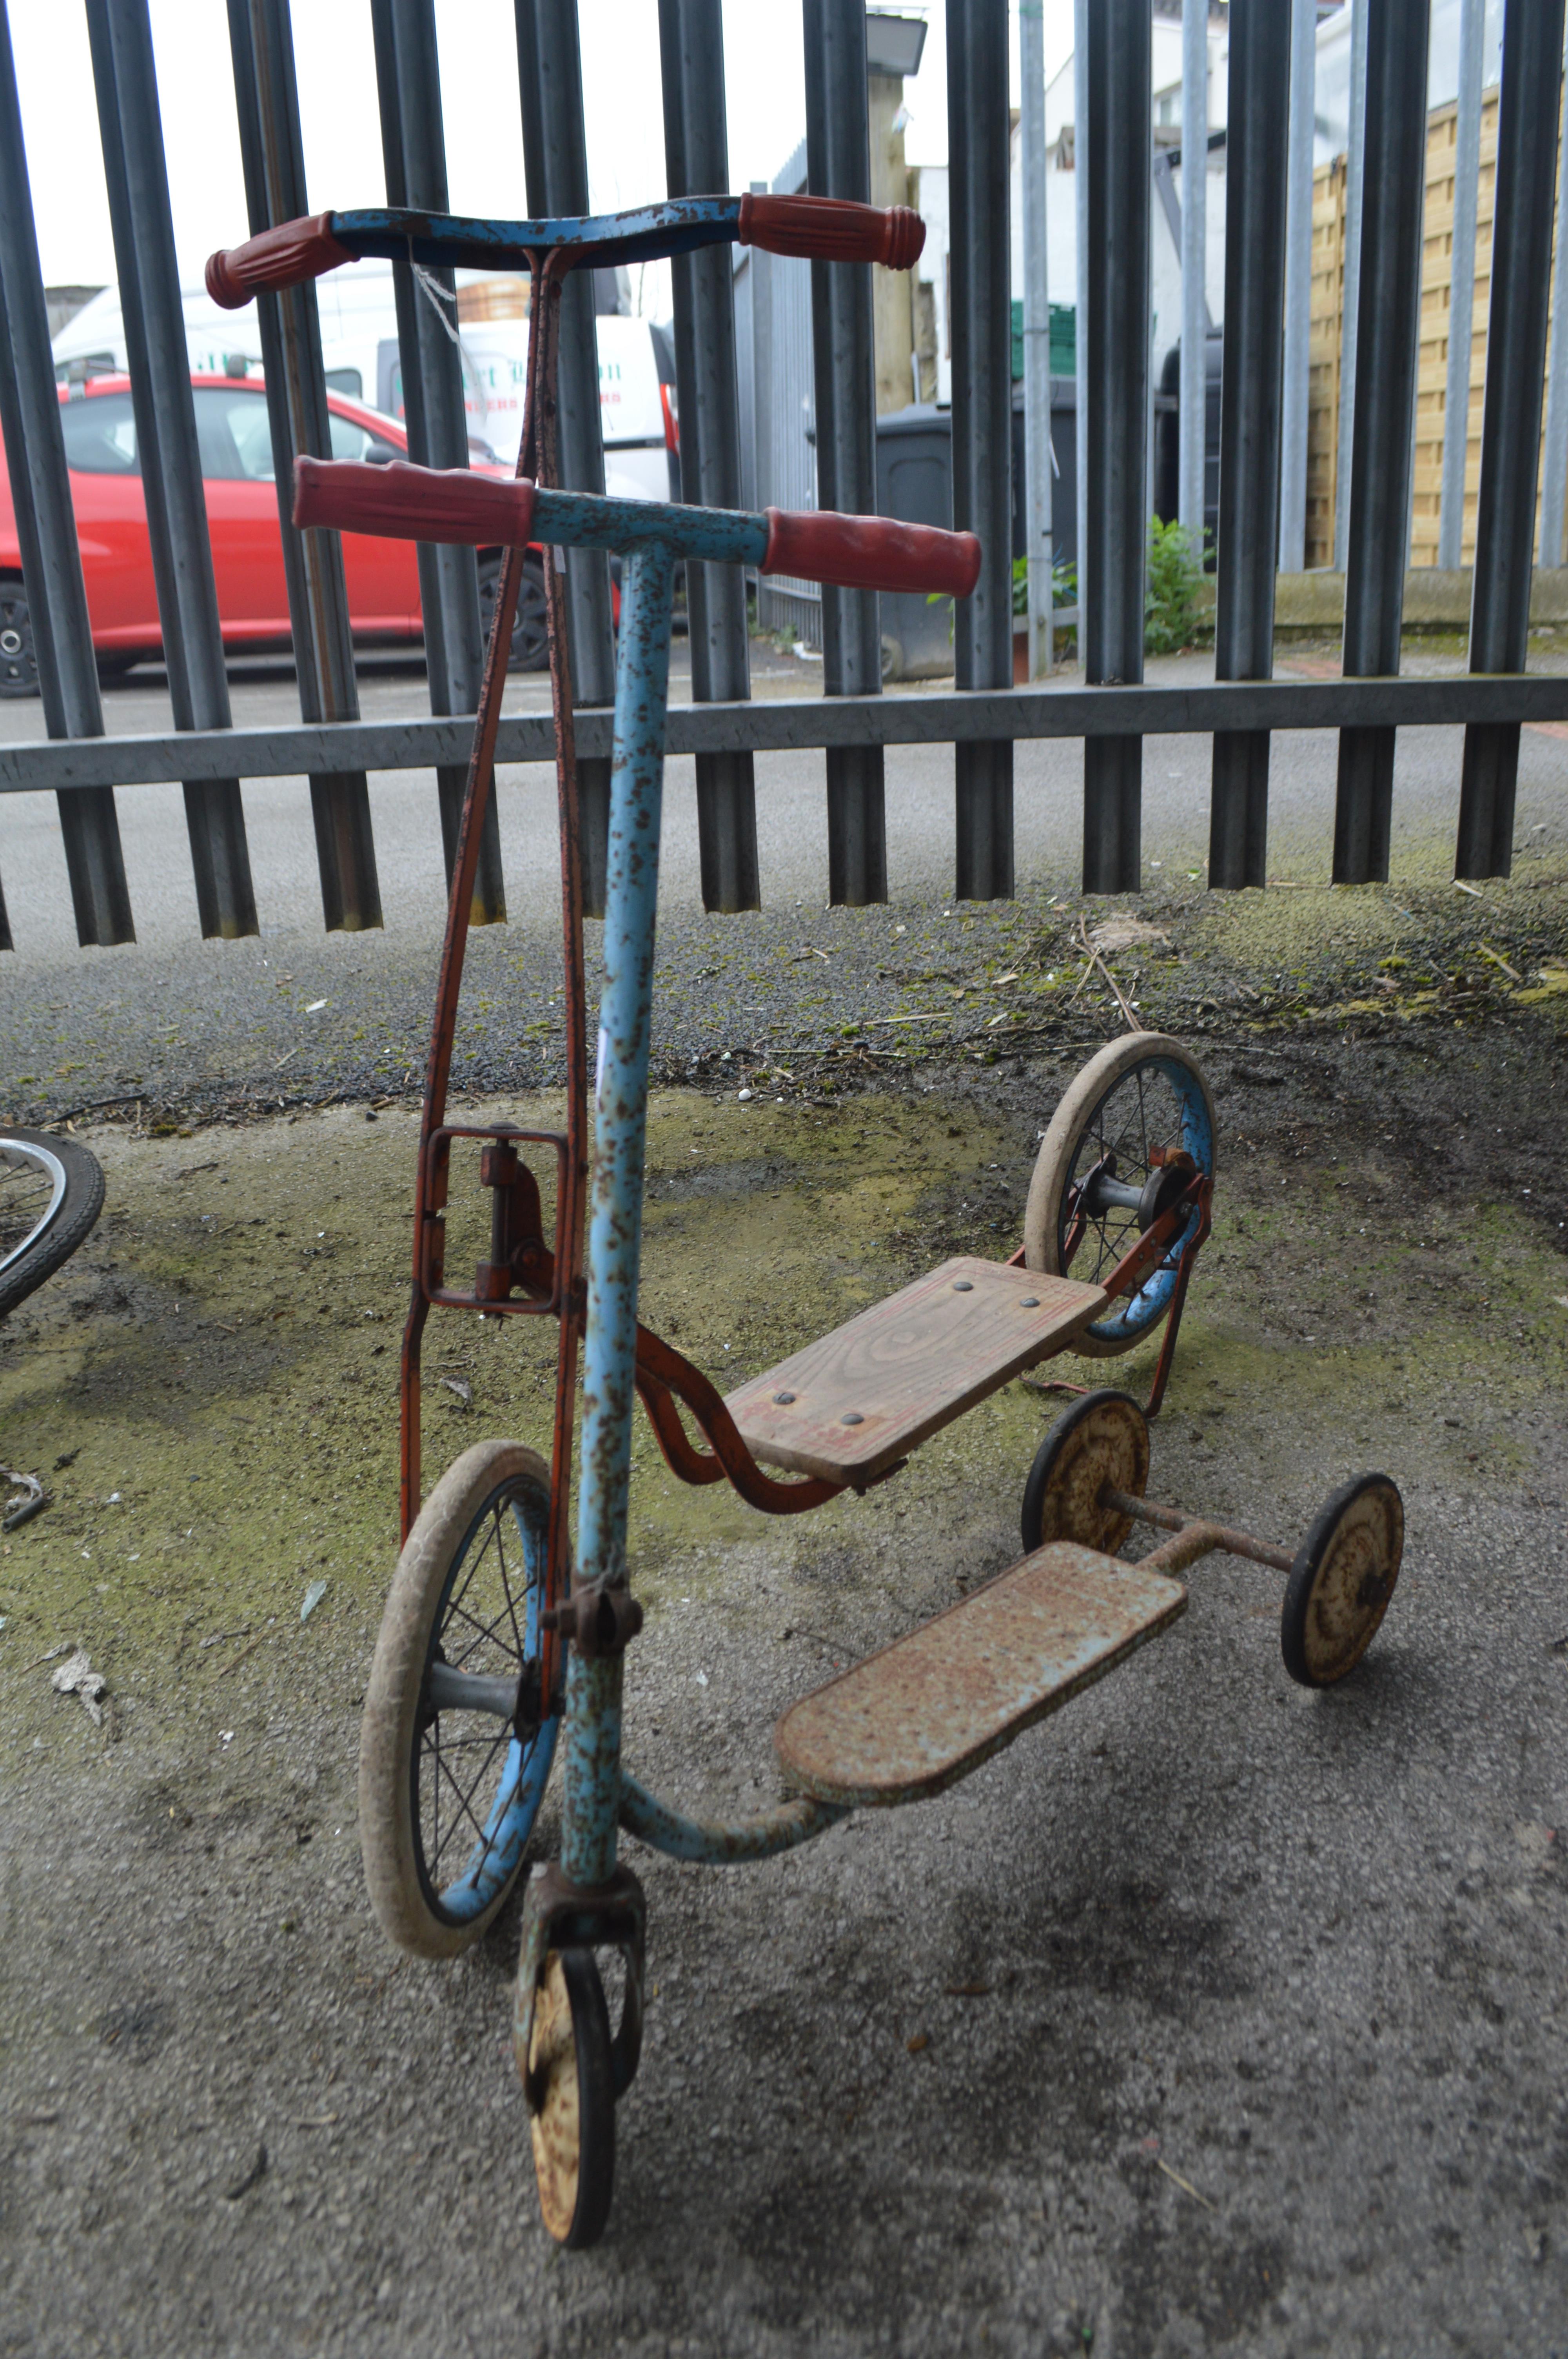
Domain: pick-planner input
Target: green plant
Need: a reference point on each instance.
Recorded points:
(1171, 589)
(1063, 585)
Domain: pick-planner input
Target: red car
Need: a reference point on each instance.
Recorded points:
(235, 444)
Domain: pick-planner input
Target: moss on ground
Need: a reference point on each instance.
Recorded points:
(210, 1388)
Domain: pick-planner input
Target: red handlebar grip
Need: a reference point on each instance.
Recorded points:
(284, 257)
(397, 501)
(860, 552)
(830, 229)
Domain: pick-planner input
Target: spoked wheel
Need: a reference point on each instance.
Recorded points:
(455, 1746)
(51, 1193)
(1103, 1440)
(573, 2087)
(1115, 1156)
(1342, 1580)
(530, 631)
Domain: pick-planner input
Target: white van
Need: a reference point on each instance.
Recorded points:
(359, 350)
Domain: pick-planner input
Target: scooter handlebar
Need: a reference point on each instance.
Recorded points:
(399, 501)
(285, 256)
(859, 552)
(831, 229)
(823, 228)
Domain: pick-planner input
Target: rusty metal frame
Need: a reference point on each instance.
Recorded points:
(543, 1264)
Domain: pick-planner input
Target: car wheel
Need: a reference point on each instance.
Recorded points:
(530, 632)
(19, 664)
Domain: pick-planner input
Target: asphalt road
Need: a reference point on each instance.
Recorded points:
(791, 827)
(184, 1028)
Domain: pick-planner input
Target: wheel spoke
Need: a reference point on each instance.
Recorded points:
(483, 1631)
(1133, 1127)
(506, 1585)
(468, 1581)
(465, 1800)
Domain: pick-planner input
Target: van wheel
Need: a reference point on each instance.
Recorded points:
(19, 664)
(530, 631)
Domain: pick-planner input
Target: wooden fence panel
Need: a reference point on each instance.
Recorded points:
(1327, 288)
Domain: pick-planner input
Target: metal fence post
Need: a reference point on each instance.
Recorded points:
(1251, 389)
(696, 163)
(1387, 344)
(46, 534)
(1462, 289)
(1192, 420)
(1080, 282)
(1554, 447)
(554, 159)
(408, 88)
(764, 391)
(1350, 289)
(1510, 417)
(839, 164)
(1036, 339)
(1296, 395)
(1115, 303)
(137, 183)
(980, 316)
(261, 37)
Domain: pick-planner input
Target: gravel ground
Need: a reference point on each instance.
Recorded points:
(1214, 2016)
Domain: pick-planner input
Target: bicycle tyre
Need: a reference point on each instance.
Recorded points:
(70, 1184)
(435, 1900)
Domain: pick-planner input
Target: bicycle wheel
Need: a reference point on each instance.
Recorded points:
(455, 1747)
(51, 1191)
(1102, 1177)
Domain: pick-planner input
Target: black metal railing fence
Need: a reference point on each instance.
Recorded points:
(854, 720)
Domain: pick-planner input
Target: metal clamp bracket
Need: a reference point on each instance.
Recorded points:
(598, 1621)
(559, 1915)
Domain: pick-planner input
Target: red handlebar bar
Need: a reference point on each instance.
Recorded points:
(824, 228)
(399, 501)
(829, 229)
(859, 552)
(274, 259)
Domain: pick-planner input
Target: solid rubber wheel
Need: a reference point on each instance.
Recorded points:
(449, 1789)
(530, 628)
(51, 1193)
(1342, 1580)
(1104, 1438)
(570, 2071)
(1139, 1099)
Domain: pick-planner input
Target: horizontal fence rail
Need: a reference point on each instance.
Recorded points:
(787, 391)
(791, 725)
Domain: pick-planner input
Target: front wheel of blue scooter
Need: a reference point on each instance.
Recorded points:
(455, 1750)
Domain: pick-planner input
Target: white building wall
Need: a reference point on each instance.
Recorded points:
(1061, 186)
(930, 202)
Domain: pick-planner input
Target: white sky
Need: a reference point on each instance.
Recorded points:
(765, 97)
